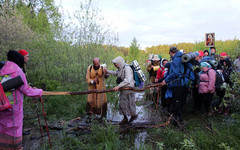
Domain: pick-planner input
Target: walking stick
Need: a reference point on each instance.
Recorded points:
(46, 123)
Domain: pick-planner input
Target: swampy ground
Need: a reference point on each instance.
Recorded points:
(149, 131)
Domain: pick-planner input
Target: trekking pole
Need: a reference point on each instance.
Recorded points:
(38, 118)
(46, 123)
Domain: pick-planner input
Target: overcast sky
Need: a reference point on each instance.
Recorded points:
(155, 22)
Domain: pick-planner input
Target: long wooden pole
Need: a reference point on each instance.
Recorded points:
(103, 91)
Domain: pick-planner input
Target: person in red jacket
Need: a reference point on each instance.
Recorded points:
(160, 75)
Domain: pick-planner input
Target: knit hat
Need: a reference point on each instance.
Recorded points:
(223, 54)
(200, 53)
(205, 64)
(16, 57)
(23, 52)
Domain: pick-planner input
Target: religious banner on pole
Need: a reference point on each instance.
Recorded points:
(209, 39)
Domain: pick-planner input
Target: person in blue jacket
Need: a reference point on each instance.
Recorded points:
(175, 81)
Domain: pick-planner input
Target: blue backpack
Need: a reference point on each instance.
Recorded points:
(189, 75)
(1, 64)
(135, 76)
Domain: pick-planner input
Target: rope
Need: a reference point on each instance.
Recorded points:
(46, 123)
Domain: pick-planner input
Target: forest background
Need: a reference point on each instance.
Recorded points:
(60, 52)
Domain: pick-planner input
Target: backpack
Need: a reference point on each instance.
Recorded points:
(189, 76)
(219, 79)
(135, 76)
(138, 75)
(1, 64)
(6, 98)
(7, 84)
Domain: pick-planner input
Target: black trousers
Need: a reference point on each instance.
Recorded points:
(163, 99)
(206, 98)
(196, 100)
(178, 100)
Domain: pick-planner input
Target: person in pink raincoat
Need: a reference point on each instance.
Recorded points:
(206, 86)
(11, 120)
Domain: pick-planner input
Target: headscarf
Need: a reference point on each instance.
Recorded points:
(205, 64)
(16, 57)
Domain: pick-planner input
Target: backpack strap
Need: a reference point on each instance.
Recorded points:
(92, 66)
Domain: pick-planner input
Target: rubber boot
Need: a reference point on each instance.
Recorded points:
(226, 112)
(124, 121)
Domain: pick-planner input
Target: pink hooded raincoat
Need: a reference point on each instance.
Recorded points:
(11, 121)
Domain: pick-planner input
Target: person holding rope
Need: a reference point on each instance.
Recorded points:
(127, 97)
(96, 103)
(11, 120)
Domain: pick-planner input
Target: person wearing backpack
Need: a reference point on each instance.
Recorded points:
(194, 86)
(125, 78)
(226, 72)
(175, 81)
(95, 77)
(206, 86)
(160, 75)
(11, 120)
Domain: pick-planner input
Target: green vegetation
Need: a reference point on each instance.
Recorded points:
(60, 54)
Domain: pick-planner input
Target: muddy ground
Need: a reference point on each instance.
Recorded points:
(147, 115)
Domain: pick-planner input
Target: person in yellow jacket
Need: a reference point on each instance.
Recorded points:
(152, 69)
(95, 77)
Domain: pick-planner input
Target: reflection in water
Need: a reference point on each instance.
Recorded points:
(114, 115)
(140, 139)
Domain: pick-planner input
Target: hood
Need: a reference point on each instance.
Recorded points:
(120, 61)
(178, 54)
(162, 62)
(228, 62)
(9, 68)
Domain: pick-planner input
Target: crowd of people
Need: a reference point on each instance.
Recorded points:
(209, 74)
(201, 76)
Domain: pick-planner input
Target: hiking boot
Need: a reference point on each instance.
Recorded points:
(133, 118)
(124, 121)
